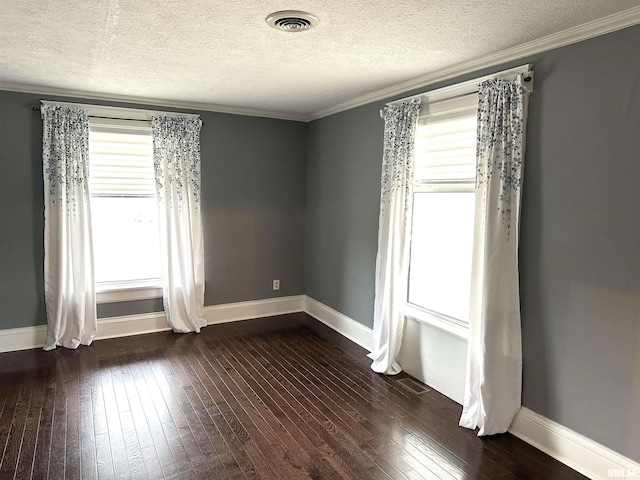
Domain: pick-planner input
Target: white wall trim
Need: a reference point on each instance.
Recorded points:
(128, 294)
(577, 451)
(347, 327)
(157, 102)
(602, 26)
(233, 312)
(24, 338)
(128, 325)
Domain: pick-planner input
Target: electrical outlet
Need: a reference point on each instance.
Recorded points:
(276, 284)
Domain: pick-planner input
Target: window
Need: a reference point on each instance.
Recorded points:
(442, 227)
(124, 210)
(443, 212)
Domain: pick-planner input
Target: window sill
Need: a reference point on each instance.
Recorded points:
(459, 329)
(128, 294)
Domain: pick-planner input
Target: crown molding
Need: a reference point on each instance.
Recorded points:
(156, 102)
(602, 26)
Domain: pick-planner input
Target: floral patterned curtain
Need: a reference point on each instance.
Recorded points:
(176, 156)
(494, 361)
(392, 262)
(68, 249)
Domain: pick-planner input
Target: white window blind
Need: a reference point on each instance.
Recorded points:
(446, 145)
(121, 161)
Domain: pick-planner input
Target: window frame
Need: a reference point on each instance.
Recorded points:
(124, 290)
(450, 324)
(436, 102)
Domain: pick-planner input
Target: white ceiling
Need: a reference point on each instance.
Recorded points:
(221, 55)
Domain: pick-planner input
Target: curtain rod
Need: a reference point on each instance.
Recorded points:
(470, 85)
(37, 109)
(117, 113)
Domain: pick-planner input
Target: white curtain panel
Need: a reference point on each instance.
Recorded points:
(392, 262)
(68, 252)
(494, 362)
(176, 157)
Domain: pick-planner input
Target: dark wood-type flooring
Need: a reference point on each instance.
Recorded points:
(278, 398)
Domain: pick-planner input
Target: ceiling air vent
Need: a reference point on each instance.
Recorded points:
(292, 21)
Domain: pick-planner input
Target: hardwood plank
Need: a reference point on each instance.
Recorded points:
(132, 446)
(167, 408)
(6, 421)
(88, 459)
(73, 456)
(87, 441)
(27, 451)
(116, 436)
(151, 463)
(137, 411)
(104, 461)
(43, 445)
(153, 423)
(59, 430)
(16, 429)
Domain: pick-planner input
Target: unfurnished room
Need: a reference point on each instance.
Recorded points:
(320, 240)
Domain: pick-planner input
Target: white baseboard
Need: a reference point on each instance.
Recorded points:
(24, 338)
(347, 327)
(127, 325)
(232, 312)
(577, 451)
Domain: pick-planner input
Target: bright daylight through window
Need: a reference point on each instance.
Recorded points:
(123, 205)
(443, 211)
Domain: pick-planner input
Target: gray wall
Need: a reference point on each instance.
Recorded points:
(253, 194)
(21, 213)
(343, 192)
(580, 237)
(253, 199)
(580, 268)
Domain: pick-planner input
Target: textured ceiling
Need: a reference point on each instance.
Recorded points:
(222, 53)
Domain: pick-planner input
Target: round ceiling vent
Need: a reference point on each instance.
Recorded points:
(292, 21)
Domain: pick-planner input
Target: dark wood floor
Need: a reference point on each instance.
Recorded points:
(237, 401)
